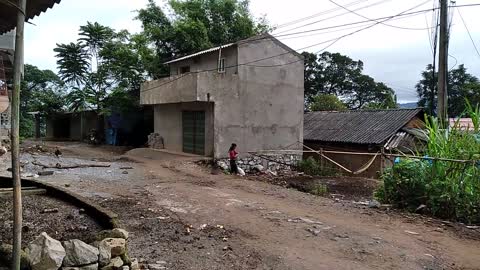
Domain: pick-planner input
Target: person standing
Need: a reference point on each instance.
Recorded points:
(232, 153)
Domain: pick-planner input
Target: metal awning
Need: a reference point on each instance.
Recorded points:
(8, 11)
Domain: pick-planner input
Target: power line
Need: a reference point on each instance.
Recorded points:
(468, 31)
(262, 59)
(316, 15)
(333, 31)
(332, 17)
(404, 13)
(373, 20)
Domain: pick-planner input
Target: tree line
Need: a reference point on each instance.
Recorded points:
(103, 69)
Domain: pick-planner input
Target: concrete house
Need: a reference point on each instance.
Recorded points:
(248, 92)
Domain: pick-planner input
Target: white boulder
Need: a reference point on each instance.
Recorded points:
(79, 253)
(46, 253)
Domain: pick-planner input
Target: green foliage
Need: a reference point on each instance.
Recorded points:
(448, 189)
(318, 189)
(311, 166)
(193, 25)
(404, 185)
(339, 75)
(42, 91)
(324, 102)
(101, 62)
(461, 86)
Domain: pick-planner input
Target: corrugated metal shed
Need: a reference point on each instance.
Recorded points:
(358, 127)
(8, 11)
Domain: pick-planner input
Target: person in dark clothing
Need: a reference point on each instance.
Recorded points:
(232, 153)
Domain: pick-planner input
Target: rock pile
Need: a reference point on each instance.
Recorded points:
(155, 141)
(110, 252)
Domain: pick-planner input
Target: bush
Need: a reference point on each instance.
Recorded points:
(404, 185)
(311, 166)
(449, 189)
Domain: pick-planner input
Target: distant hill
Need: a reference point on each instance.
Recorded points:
(410, 105)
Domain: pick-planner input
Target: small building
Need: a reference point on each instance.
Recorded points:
(132, 127)
(363, 131)
(249, 92)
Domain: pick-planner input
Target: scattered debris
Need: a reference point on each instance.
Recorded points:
(420, 208)
(473, 227)
(126, 168)
(46, 173)
(241, 171)
(124, 172)
(47, 211)
(314, 231)
(304, 220)
(61, 166)
(58, 153)
(412, 233)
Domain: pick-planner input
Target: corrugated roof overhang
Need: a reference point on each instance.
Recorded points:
(8, 12)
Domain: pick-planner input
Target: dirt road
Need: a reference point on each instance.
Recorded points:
(180, 213)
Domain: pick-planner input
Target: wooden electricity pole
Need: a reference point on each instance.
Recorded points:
(15, 136)
(442, 107)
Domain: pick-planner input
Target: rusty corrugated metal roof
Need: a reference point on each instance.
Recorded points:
(8, 11)
(358, 127)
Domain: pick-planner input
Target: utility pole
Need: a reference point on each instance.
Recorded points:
(443, 65)
(15, 136)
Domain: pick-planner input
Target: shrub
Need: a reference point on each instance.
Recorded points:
(404, 185)
(448, 189)
(311, 166)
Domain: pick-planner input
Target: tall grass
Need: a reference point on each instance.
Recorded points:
(448, 189)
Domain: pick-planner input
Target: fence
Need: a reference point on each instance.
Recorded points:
(360, 164)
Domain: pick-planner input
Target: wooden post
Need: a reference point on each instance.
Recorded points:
(37, 126)
(15, 136)
(382, 156)
(321, 159)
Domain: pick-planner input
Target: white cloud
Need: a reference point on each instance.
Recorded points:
(390, 54)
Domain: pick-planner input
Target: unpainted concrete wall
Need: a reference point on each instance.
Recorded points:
(265, 110)
(168, 123)
(259, 108)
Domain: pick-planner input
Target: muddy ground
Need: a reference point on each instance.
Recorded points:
(178, 212)
(68, 222)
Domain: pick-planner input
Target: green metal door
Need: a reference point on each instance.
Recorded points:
(193, 123)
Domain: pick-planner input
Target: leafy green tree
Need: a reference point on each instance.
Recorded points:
(461, 86)
(339, 75)
(194, 25)
(42, 91)
(101, 62)
(326, 102)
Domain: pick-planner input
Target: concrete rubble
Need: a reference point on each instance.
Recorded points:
(45, 253)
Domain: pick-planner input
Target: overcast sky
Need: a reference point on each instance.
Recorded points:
(391, 55)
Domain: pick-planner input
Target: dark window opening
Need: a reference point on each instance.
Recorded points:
(184, 69)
